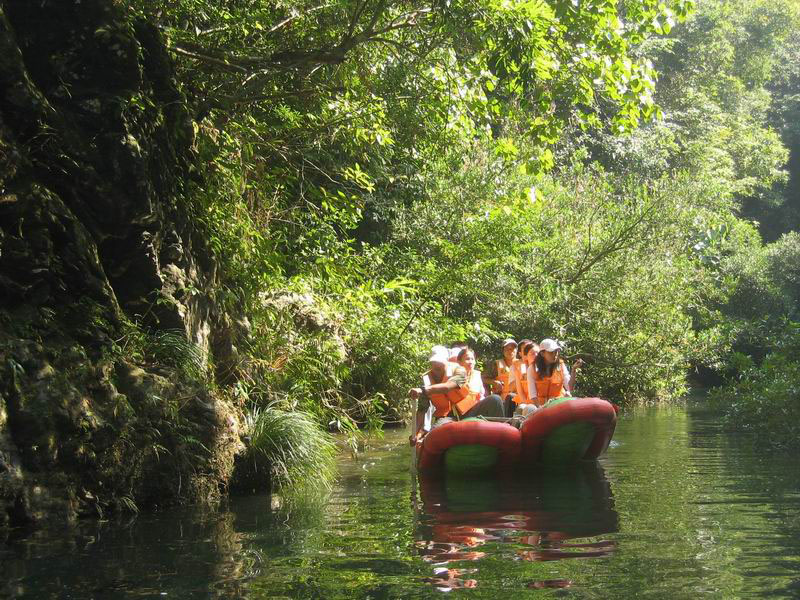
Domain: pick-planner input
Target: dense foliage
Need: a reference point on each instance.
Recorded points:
(762, 393)
(383, 177)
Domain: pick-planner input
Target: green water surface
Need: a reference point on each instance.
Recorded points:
(675, 509)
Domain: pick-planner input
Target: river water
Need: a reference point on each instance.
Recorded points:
(675, 509)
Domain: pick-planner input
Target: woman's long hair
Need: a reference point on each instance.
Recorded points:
(543, 368)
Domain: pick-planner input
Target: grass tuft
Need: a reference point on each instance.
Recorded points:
(291, 448)
(173, 349)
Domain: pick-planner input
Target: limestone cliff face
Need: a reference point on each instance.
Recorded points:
(97, 245)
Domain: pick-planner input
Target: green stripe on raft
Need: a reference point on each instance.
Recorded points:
(469, 459)
(567, 444)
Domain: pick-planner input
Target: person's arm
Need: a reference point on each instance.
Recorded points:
(571, 379)
(446, 386)
(532, 394)
(567, 379)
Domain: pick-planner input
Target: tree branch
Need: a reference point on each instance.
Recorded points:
(221, 62)
(291, 18)
(616, 244)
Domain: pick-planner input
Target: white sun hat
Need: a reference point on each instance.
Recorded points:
(549, 344)
(439, 354)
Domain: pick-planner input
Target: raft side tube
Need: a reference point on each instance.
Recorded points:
(466, 437)
(543, 425)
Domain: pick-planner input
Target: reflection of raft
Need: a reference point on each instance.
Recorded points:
(567, 430)
(564, 431)
(539, 513)
(469, 446)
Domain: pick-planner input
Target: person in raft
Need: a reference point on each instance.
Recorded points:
(501, 378)
(461, 396)
(519, 370)
(455, 348)
(500, 374)
(549, 378)
(530, 353)
(439, 372)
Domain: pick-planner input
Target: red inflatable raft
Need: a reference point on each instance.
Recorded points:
(567, 430)
(469, 446)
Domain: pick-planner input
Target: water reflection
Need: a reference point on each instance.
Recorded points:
(199, 553)
(694, 513)
(536, 517)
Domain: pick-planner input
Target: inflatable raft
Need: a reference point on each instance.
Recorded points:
(563, 431)
(567, 430)
(470, 446)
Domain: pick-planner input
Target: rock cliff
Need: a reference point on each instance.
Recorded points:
(107, 307)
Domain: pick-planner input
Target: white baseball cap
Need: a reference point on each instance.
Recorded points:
(438, 356)
(549, 344)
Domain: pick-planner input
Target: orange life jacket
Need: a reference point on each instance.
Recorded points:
(464, 398)
(550, 387)
(504, 375)
(441, 404)
(521, 381)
